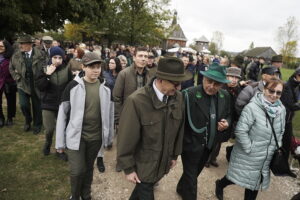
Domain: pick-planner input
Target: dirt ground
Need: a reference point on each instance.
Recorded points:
(112, 185)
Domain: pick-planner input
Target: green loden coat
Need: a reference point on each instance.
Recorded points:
(17, 69)
(150, 134)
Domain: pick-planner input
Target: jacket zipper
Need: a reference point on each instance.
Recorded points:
(270, 140)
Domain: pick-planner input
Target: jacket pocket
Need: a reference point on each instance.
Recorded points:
(152, 132)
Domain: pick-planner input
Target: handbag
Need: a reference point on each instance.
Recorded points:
(279, 164)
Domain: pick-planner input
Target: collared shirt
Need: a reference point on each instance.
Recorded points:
(29, 53)
(140, 78)
(158, 93)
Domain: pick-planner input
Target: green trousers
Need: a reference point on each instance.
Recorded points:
(81, 168)
(24, 100)
(49, 123)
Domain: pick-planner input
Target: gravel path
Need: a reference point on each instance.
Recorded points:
(113, 186)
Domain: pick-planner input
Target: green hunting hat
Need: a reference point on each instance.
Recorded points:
(277, 58)
(172, 69)
(25, 39)
(216, 73)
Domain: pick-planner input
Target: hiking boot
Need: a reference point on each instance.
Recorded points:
(62, 156)
(27, 127)
(46, 149)
(118, 168)
(100, 165)
(219, 190)
(9, 122)
(2, 122)
(36, 130)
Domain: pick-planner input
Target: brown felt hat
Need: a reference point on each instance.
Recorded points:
(172, 69)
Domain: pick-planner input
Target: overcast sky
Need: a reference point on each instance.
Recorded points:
(240, 21)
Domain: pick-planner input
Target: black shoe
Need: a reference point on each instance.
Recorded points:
(26, 127)
(118, 168)
(100, 165)
(62, 156)
(9, 122)
(214, 163)
(219, 190)
(46, 149)
(2, 122)
(36, 130)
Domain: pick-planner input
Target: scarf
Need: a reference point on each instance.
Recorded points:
(273, 109)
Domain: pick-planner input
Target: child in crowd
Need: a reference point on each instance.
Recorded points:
(82, 124)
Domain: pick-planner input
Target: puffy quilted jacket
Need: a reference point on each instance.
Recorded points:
(255, 145)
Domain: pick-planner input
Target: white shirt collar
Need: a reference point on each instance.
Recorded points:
(157, 92)
(29, 53)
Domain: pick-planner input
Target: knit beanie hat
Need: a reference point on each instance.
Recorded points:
(54, 51)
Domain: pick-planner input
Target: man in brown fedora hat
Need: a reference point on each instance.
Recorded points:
(151, 128)
(208, 117)
(25, 64)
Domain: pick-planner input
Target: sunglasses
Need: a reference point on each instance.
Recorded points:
(278, 93)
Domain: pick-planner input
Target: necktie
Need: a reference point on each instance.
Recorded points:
(165, 99)
(213, 122)
(27, 55)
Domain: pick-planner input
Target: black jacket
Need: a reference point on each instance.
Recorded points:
(199, 108)
(290, 96)
(52, 87)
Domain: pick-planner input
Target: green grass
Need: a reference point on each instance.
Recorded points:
(24, 172)
(286, 73)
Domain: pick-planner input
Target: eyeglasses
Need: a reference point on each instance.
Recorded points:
(278, 93)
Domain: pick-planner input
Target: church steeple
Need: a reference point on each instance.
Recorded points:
(174, 22)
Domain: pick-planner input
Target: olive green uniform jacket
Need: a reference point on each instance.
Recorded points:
(150, 134)
(17, 69)
(125, 85)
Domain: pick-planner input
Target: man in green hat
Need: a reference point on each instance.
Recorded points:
(208, 117)
(25, 64)
(151, 128)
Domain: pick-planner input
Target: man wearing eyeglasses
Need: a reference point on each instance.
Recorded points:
(208, 116)
(151, 128)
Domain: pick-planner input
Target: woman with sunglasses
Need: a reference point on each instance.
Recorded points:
(249, 165)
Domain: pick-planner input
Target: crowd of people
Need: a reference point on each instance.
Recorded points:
(160, 106)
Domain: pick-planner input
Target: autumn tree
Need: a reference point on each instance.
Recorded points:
(30, 16)
(287, 38)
